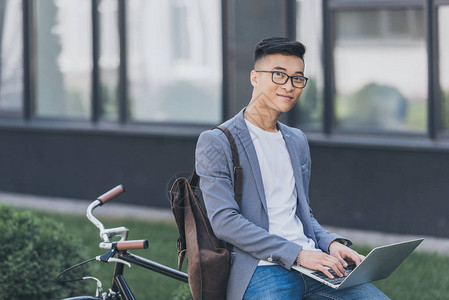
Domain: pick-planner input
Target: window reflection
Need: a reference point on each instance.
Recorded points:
(11, 57)
(109, 60)
(309, 110)
(174, 60)
(443, 29)
(381, 70)
(64, 58)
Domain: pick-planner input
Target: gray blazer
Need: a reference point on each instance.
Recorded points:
(247, 228)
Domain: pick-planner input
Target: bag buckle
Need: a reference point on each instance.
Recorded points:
(235, 169)
(181, 255)
(179, 245)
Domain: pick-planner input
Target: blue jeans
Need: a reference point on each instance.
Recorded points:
(277, 283)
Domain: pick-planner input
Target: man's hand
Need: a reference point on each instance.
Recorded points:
(342, 252)
(320, 261)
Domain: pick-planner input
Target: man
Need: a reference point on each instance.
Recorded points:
(274, 227)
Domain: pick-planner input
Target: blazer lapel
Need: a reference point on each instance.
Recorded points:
(247, 143)
(302, 208)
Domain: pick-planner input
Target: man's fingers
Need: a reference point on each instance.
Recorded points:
(336, 266)
(355, 257)
(338, 269)
(326, 272)
(361, 257)
(323, 262)
(341, 260)
(333, 267)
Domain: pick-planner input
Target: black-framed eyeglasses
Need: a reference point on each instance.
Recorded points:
(281, 78)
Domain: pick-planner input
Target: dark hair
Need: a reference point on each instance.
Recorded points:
(279, 45)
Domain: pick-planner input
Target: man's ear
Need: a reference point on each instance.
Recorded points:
(253, 78)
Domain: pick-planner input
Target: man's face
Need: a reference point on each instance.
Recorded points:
(276, 97)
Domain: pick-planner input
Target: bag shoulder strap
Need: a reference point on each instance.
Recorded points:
(237, 170)
(238, 183)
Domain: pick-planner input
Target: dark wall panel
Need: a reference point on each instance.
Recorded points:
(85, 165)
(398, 191)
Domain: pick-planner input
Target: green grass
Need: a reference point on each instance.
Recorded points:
(145, 284)
(421, 276)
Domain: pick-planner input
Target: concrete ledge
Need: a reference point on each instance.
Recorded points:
(374, 239)
(119, 210)
(71, 206)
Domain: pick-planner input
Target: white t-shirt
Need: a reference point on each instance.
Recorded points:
(279, 186)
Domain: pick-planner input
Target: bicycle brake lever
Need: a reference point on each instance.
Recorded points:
(107, 256)
(120, 261)
(99, 285)
(112, 259)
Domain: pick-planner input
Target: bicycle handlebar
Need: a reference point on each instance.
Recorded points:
(129, 245)
(107, 234)
(119, 189)
(120, 248)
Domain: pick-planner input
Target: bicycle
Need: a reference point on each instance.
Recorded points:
(119, 249)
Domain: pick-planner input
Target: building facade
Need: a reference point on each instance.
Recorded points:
(94, 93)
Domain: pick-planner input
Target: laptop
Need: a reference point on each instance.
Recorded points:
(378, 264)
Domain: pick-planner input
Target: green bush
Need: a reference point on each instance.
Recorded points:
(34, 250)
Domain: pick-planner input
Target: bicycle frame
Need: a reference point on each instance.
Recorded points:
(119, 283)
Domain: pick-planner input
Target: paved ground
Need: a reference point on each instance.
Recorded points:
(62, 205)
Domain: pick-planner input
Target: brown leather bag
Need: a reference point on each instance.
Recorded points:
(207, 257)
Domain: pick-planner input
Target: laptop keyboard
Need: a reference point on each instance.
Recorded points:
(336, 280)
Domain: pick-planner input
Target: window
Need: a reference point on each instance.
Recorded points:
(369, 66)
(309, 29)
(380, 64)
(443, 28)
(63, 59)
(11, 58)
(174, 60)
(109, 59)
